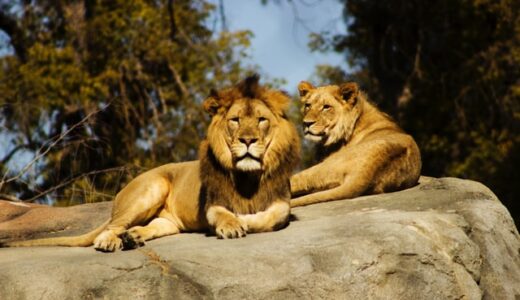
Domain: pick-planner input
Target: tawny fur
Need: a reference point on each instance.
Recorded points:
(362, 151)
(220, 192)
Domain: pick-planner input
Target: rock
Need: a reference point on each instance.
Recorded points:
(28, 221)
(446, 238)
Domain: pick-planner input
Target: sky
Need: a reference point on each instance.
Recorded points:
(281, 33)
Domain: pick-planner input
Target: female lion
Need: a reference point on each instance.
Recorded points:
(362, 150)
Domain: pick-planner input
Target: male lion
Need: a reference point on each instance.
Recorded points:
(239, 184)
(362, 150)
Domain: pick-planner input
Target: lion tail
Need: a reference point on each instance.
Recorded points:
(84, 240)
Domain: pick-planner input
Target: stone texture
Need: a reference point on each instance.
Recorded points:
(446, 238)
(28, 221)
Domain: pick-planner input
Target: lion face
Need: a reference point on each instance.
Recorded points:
(329, 112)
(248, 124)
(249, 131)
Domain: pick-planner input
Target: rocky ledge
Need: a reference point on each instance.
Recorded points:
(446, 238)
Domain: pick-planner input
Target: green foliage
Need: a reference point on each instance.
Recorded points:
(449, 72)
(141, 68)
(325, 74)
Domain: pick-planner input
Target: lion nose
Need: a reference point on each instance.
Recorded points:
(248, 140)
(308, 123)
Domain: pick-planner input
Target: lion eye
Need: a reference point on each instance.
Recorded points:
(326, 107)
(262, 119)
(307, 106)
(235, 119)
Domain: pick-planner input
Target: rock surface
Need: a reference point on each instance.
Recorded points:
(446, 238)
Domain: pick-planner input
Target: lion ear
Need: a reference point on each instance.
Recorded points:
(304, 87)
(349, 92)
(212, 104)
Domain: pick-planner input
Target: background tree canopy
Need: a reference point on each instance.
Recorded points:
(108, 88)
(100, 90)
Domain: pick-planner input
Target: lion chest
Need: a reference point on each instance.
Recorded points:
(243, 193)
(248, 197)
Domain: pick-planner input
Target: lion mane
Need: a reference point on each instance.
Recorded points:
(247, 192)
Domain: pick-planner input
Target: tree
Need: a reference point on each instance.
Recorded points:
(123, 79)
(449, 72)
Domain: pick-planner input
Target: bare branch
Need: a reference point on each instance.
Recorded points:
(178, 80)
(41, 154)
(173, 24)
(222, 15)
(67, 182)
(9, 198)
(213, 58)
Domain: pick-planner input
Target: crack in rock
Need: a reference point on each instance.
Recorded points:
(154, 258)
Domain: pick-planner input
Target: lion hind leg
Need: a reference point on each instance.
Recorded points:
(135, 205)
(107, 241)
(349, 189)
(111, 240)
(158, 227)
(138, 203)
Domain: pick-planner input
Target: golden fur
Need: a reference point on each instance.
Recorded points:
(239, 184)
(362, 150)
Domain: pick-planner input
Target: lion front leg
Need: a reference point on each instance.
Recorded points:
(225, 223)
(313, 179)
(276, 216)
(299, 184)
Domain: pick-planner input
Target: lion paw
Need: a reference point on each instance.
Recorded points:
(231, 228)
(107, 241)
(132, 239)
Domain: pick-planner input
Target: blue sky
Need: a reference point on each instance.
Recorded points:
(281, 33)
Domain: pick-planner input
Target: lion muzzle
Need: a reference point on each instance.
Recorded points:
(248, 157)
(313, 135)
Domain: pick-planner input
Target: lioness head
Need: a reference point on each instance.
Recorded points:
(329, 112)
(249, 131)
